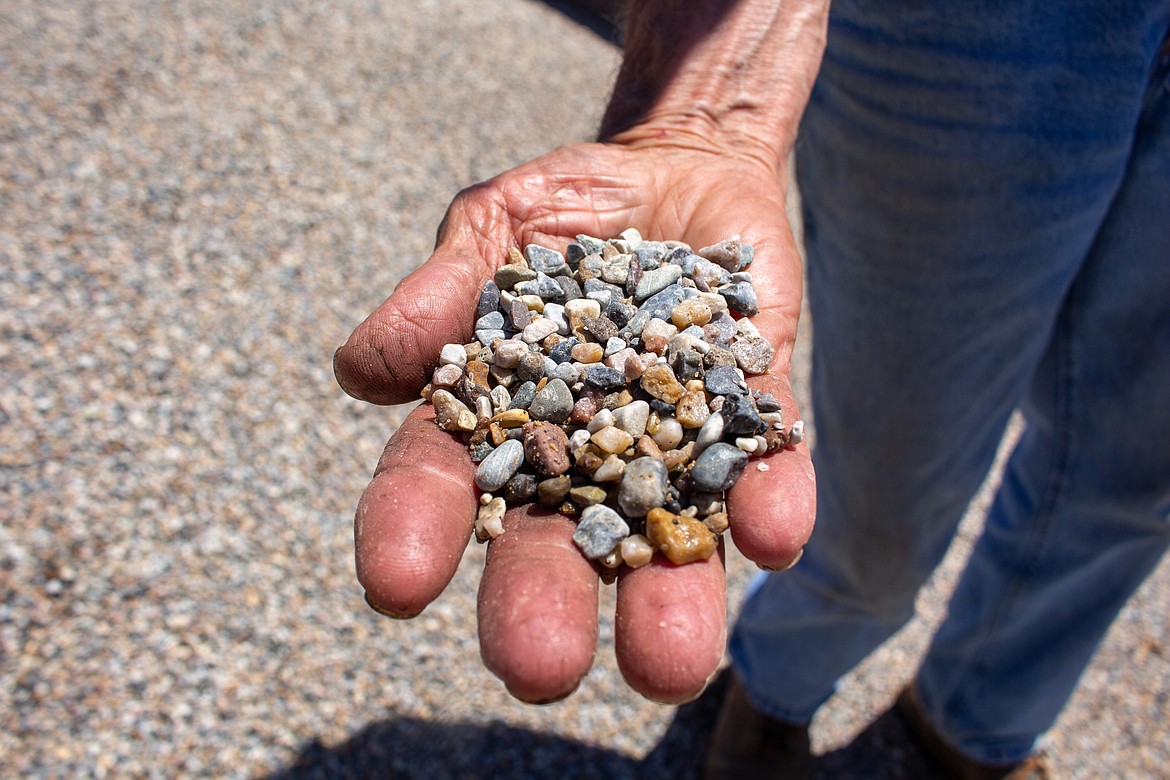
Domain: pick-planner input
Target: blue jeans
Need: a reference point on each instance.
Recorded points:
(987, 198)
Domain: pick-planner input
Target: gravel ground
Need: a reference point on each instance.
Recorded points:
(198, 200)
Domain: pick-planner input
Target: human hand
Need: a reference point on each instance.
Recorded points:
(538, 595)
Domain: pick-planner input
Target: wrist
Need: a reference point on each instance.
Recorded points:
(731, 77)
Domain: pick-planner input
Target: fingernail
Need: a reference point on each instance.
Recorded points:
(389, 612)
(787, 566)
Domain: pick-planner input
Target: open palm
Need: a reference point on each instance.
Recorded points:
(538, 595)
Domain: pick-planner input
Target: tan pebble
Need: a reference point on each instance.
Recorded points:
(569, 509)
(483, 407)
(681, 539)
(511, 418)
(546, 448)
(619, 399)
(485, 499)
(490, 520)
(533, 302)
(472, 349)
(747, 443)
(587, 495)
(717, 522)
(692, 410)
(425, 393)
(612, 439)
(550, 341)
(674, 458)
(694, 384)
(660, 382)
(715, 302)
(646, 446)
(776, 439)
(693, 311)
(636, 551)
(610, 470)
(589, 352)
(587, 462)
(451, 413)
(516, 257)
(612, 560)
(498, 434)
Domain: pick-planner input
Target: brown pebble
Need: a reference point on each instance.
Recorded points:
(675, 458)
(777, 440)
(588, 352)
(546, 448)
(646, 446)
(516, 257)
(498, 434)
(477, 373)
(552, 492)
(717, 522)
(660, 382)
(451, 414)
(718, 356)
(681, 539)
(584, 410)
(618, 400)
(587, 462)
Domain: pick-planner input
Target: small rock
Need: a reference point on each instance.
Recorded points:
(587, 495)
(692, 411)
(724, 380)
(520, 489)
(644, 486)
(543, 259)
(681, 539)
(546, 448)
(636, 551)
(551, 492)
(489, 523)
(599, 531)
(660, 382)
(740, 418)
(717, 468)
(752, 354)
(610, 470)
(553, 403)
(656, 281)
(498, 467)
(741, 296)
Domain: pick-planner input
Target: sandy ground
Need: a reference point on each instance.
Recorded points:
(198, 201)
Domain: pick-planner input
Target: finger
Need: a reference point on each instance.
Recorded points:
(671, 627)
(773, 504)
(537, 607)
(415, 517)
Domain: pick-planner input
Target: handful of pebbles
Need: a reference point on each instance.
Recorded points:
(607, 383)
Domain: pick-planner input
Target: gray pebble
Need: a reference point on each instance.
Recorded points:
(643, 486)
(553, 403)
(522, 398)
(741, 296)
(543, 286)
(599, 531)
(498, 467)
(488, 335)
(718, 467)
(489, 299)
(512, 274)
(604, 378)
(723, 380)
(709, 433)
(657, 280)
(740, 417)
(493, 320)
(543, 259)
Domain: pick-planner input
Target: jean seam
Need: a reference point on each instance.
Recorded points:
(1038, 534)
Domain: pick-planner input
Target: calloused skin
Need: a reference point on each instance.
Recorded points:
(538, 598)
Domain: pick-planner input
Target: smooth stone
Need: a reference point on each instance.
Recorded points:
(669, 433)
(709, 433)
(521, 488)
(613, 439)
(508, 352)
(563, 351)
(610, 470)
(489, 299)
(446, 376)
(643, 487)
(538, 330)
(552, 492)
(486, 336)
(544, 286)
(636, 551)
(498, 467)
(599, 531)
(543, 259)
(553, 403)
(568, 373)
(602, 418)
(632, 417)
(512, 274)
(451, 414)
(519, 315)
(531, 367)
(522, 398)
(578, 439)
(587, 495)
(718, 467)
(546, 448)
(453, 355)
(766, 402)
(656, 281)
(555, 313)
(660, 382)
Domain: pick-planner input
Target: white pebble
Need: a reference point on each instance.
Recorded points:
(538, 329)
(761, 466)
(746, 443)
(636, 550)
(796, 435)
(578, 440)
(483, 407)
(453, 355)
(670, 433)
(603, 419)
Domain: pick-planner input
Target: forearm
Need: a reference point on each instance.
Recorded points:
(732, 74)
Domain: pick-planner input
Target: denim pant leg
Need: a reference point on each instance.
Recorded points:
(957, 165)
(1083, 514)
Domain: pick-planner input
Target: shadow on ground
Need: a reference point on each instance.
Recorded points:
(412, 748)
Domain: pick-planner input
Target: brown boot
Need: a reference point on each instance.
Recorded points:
(957, 765)
(747, 744)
